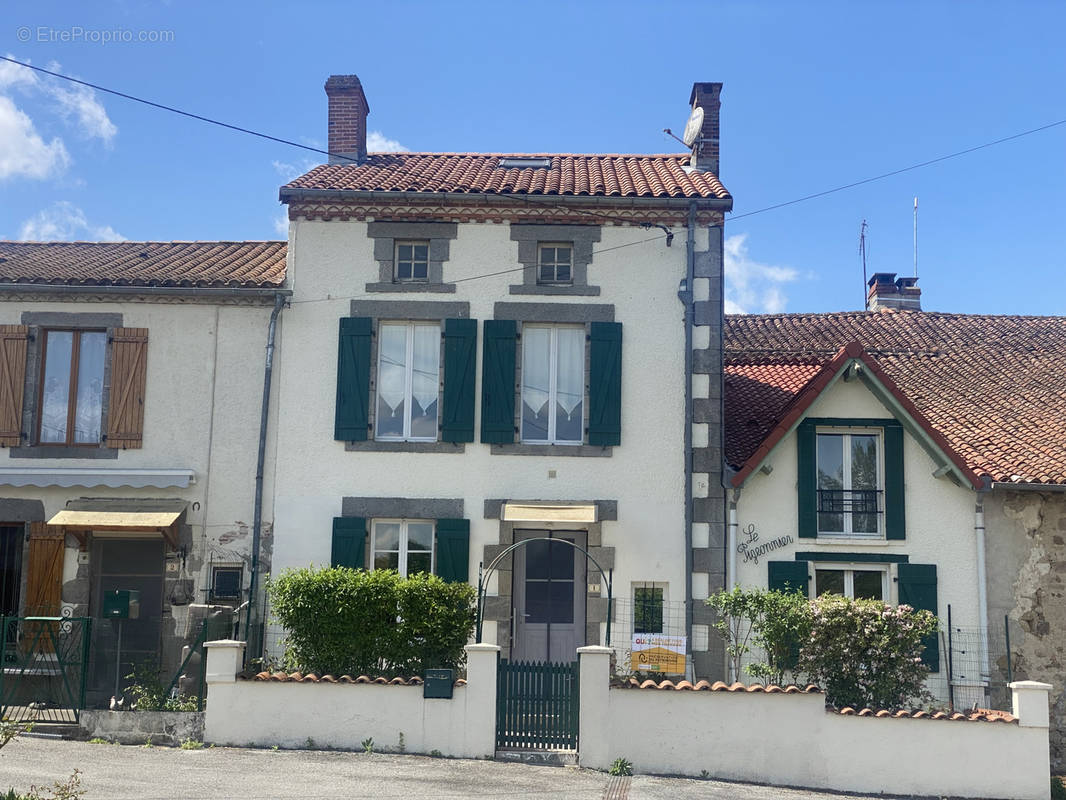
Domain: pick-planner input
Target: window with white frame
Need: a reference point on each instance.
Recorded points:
(859, 582)
(553, 384)
(555, 264)
(408, 382)
(850, 483)
(412, 261)
(72, 387)
(404, 545)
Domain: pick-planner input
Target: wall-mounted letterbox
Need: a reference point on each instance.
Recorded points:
(438, 683)
(122, 604)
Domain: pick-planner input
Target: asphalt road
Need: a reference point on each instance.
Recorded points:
(116, 772)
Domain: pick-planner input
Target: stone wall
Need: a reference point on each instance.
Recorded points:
(169, 728)
(1026, 545)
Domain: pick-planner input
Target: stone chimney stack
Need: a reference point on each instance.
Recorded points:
(887, 291)
(348, 111)
(705, 149)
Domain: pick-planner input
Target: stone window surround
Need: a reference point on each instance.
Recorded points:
(386, 234)
(371, 508)
(529, 238)
(404, 311)
(38, 321)
(552, 313)
(498, 606)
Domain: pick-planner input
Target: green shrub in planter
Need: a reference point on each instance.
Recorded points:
(345, 621)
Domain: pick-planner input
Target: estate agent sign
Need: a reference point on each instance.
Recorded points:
(657, 652)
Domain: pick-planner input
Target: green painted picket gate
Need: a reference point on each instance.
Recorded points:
(536, 706)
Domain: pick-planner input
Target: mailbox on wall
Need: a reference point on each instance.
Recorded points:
(438, 683)
(122, 604)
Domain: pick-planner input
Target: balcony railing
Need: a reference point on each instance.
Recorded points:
(849, 501)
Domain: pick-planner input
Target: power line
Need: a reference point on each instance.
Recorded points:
(900, 171)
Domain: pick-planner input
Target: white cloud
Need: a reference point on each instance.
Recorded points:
(287, 171)
(64, 221)
(76, 104)
(23, 153)
(750, 286)
(376, 142)
(14, 76)
(281, 224)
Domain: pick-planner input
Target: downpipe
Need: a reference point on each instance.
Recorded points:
(982, 589)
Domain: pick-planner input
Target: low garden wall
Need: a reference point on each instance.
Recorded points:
(293, 710)
(138, 727)
(788, 737)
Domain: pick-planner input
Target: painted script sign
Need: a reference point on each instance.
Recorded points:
(753, 552)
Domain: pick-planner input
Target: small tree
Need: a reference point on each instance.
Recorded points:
(773, 622)
(865, 653)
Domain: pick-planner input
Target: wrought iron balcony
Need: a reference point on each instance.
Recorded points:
(849, 501)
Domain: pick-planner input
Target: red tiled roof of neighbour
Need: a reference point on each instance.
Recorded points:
(311, 677)
(717, 686)
(165, 264)
(994, 387)
(977, 715)
(655, 176)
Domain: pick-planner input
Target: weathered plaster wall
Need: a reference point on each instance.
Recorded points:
(1026, 544)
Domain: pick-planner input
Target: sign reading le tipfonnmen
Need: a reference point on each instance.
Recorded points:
(753, 552)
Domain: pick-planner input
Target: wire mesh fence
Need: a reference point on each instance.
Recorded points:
(648, 635)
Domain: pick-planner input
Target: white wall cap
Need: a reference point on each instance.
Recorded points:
(225, 643)
(1032, 685)
(482, 648)
(594, 650)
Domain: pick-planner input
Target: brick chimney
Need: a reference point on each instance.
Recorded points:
(348, 111)
(887, 291)
(705, 149)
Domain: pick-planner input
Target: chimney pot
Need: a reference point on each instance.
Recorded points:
(705, 150)
(348, 110)
(888, 292)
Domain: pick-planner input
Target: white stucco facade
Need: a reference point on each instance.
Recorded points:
(331, 264)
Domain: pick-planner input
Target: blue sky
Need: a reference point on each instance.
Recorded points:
(816, 95)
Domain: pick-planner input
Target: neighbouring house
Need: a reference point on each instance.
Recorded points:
(131, 378)
(909, 456)
(488, 348)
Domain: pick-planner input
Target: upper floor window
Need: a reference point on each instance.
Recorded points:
(72, 386)
(850, 483)
(412, 261)
(408, 382)
(555, 264)
(403, 545)
(553, 384)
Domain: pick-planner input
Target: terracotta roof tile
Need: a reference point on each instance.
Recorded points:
(978, 715)
(201, 264)
(310, 677)
(480, 173)
(993, 386)
(717, 686)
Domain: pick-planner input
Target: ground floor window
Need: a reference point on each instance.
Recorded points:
(403, 545)
(647, 609)
(859, 583)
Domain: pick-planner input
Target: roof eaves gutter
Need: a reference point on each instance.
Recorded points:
(1028, 487)
(489, 198)
(265, 294)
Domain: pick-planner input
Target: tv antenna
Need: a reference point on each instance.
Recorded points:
(916, 236)
(862, 255)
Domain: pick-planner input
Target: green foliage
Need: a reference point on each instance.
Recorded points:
(436, 754)
(192, 744)
(774, 622)
(368, 745)
(98, 740)
(1058, 791)
(9, 730)
(621, 766)
(148, 693)
(344, 621)
(865, 653)
(402, 744)
(60, 790)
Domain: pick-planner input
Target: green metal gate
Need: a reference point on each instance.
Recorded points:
(536, 706)
(45, 661)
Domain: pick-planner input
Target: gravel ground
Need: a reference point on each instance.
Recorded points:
(115, 772)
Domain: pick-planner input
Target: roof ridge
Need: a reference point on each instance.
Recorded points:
(143, 241)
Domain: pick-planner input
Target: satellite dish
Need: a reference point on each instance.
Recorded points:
(693, 127)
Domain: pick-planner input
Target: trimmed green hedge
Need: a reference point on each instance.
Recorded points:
(343, 621)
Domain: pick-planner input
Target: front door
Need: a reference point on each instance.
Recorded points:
(549, 596)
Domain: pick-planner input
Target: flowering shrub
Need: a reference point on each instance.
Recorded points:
(864, 653)
(773, 622)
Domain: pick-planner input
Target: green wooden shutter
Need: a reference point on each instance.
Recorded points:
(349, 542)
(807, 482)
(453, 550)
(460, 359)
(895, 519)
(498, 381)
(783, 576)
(605, 384)
(353, 380)
(917, 588)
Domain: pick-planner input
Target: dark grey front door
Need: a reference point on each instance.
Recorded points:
(549, 596)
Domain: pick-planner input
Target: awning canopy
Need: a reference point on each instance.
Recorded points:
(549, 512)
(79, 523)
